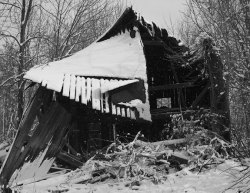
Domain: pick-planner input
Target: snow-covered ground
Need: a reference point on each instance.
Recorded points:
(215, 180)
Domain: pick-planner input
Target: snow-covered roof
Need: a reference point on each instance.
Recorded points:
(118, 57)
(114, 61)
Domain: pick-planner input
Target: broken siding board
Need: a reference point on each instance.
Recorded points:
(128, 113)
(23, 130)
(84, 91)
(113, 109)
(113, 106)
(89, 89)
(36, 170)
(38, 155)
(66, 85)
(107, 98)
(118, 110)
(96, 94)
(107, 109)
(102, 95)
(72, 87)
(123, 111)
(78, 88)
(34, 147)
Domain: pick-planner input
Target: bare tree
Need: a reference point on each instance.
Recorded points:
(228, 23)
(34, 32)
(75, 24)
(15, 16)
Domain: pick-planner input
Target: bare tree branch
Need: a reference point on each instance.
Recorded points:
(11, 36)
(10, 4)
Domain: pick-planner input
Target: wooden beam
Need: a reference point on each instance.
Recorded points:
(156, 115)
(70, 159)
(171, 86)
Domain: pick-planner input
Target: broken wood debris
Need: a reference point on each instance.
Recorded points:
(139, 160)
(70, 159)
(165, 142)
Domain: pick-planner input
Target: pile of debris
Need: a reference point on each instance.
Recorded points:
(138, 160)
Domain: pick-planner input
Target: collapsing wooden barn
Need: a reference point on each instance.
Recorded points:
(132, 78)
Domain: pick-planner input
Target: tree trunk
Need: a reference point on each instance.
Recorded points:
(25, 15)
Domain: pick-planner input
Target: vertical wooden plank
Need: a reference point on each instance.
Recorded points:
(84, 91)
(128, 113)
(96, 94)
(72, 87)
(106, 102)
(66, 85)
(118, 110)
(102, 95)
(78, 88)
(123, 111)
(89, 89)
(107, 98)
(113, 107)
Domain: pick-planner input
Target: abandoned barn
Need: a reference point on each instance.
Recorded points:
(131, 79)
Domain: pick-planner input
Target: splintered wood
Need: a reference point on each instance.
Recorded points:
(32, 153)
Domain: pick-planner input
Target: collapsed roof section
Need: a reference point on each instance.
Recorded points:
(118, 57)
(107, 65)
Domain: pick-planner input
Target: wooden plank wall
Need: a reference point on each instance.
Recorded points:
(31, 156)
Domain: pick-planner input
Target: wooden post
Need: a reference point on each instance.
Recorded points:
(114, 133)
(181, 99)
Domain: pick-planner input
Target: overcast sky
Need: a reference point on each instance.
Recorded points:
(159, 11)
